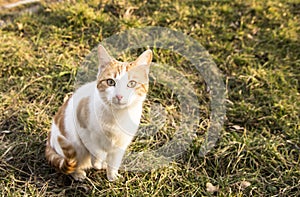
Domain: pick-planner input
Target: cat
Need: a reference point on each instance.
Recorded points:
(93, 128)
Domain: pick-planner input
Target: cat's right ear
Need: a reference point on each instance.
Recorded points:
(103, 57)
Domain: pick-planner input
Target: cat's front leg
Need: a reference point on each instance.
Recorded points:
(99, 161)
(114, 160)
(98, 164)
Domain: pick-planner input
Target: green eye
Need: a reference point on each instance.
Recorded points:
(110, 82)
(131, 84)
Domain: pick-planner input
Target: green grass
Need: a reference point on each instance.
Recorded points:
(255, 44)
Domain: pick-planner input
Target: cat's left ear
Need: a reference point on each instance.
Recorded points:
(103, 57)
(144, 59)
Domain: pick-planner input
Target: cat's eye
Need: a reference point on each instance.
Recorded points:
(131, 84)
(110, 82)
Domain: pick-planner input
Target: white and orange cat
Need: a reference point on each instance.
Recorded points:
(95, 126)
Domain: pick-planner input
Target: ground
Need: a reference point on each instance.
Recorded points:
(255, 45)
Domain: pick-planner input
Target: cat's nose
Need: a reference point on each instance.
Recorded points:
(119, 97)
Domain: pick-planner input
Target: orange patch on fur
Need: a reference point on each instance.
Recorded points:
(111, 71)
(66, 164)
(59, 118)
(70, 163)
(142, 89)
(130, 66)
(83, 112)
(102, 85)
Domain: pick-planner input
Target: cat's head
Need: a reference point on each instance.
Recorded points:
(120, 84)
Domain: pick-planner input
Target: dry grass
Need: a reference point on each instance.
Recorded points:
(254, 43)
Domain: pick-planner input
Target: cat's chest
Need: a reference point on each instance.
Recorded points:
(116, 129)
(125, 122)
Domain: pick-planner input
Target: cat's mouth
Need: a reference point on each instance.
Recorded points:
(119, 104)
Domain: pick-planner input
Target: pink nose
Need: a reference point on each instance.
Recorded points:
(119, 97)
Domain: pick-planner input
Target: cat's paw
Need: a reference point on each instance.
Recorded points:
(113, 175)
(79, 175)
(100, 165)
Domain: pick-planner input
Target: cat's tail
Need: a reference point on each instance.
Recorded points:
(66, 164)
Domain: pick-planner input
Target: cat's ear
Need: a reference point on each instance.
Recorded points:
(142, 65)
(103, 57)
(144, 59)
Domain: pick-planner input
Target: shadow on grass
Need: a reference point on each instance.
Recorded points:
(23, 167)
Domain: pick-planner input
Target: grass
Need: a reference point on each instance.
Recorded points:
(256, 46)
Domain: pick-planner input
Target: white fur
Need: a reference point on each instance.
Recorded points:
(108, 134)
(111, 124)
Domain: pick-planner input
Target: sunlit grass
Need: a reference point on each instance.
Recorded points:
(255, 44)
